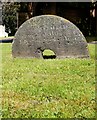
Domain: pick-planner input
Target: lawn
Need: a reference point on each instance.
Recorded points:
(47, 88)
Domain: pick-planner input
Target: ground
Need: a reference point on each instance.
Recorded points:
(50, 88)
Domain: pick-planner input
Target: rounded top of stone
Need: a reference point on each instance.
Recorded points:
(54, 17)
(49, 21)
(50, 16)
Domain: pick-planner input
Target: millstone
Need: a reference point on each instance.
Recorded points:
(49, 32)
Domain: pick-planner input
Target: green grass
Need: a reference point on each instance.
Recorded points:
(48, 52)
(52, 88)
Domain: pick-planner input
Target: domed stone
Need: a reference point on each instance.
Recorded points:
(49, 32)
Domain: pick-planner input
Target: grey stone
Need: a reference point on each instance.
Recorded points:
(49, 32)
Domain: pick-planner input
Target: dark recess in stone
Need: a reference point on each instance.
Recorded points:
(49, 56)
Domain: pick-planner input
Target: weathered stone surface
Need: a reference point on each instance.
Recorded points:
(49, 32)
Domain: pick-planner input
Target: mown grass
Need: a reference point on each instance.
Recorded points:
(52, 88)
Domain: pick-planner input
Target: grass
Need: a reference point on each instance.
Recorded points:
(52, 88)
(48, 52)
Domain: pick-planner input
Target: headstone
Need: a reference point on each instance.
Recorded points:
(49, 32)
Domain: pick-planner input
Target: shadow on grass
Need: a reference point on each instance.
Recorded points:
(49, 56)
